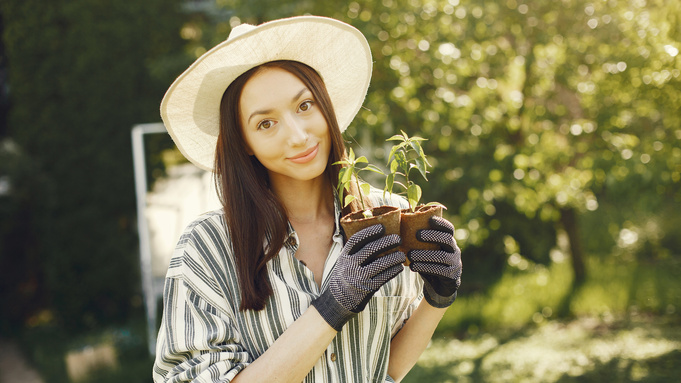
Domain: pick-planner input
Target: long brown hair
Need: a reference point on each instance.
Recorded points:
(253, 213)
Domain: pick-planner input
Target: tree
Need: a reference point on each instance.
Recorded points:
(538, 110)
(538, 114)
(81, 74)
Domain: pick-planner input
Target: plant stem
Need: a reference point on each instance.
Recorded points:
(359, 191)
(406, 177)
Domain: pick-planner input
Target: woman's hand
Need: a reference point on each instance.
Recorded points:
(440, 269)
(358, 274)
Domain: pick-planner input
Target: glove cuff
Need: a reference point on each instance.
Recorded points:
(436, 300)
(333, 313)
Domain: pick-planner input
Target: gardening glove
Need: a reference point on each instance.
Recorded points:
(358, 274)
(440, 269)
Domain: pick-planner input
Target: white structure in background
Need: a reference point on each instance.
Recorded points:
(162, 215)
(172, 204)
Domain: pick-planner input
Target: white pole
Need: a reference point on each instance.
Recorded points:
(139, 162)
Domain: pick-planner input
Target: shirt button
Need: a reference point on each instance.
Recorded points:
(333, 356)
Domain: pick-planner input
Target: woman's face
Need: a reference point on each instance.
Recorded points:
(283, 126)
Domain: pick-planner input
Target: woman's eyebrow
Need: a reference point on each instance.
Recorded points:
(267, 111)
(297, 96)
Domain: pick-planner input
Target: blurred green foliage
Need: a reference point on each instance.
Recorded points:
(81, 74)
(537, 112)
(530, 293)
(48, 346)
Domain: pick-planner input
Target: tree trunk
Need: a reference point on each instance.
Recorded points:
(568, 219)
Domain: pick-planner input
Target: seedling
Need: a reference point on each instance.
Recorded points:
(404, 156)
(349, 174)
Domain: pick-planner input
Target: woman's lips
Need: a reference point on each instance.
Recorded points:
(306, 156)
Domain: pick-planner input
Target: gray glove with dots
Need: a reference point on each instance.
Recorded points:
(358, 274)
(440, 269)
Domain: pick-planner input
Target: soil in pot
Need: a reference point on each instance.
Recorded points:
(389, 216)
(411, 222)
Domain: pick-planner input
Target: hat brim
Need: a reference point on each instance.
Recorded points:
(340, 54)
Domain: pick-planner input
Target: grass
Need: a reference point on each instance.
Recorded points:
(643, 349)
(530, 293)
(621, 325)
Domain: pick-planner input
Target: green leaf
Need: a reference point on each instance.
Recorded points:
(362, 160)
(392, 152)
(421, 166)
(348, 199)
(402, 162)
(351, 156)
(374, 169)
(346, 174)
(366, 188)
(418, 149)
(436, 204)
(405, 135)
(341, 172)
(389, 181)
(396, 137)
(413, 195)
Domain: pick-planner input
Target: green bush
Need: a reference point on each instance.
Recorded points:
(81, 74)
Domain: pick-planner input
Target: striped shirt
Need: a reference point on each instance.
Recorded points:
(204, 337)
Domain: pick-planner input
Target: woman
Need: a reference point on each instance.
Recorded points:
(266, 289)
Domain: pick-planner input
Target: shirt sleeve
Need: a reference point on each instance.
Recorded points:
(198, 340)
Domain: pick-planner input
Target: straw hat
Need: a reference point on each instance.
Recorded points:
(337, 51)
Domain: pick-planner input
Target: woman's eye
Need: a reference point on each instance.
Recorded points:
(305, 106)
(266, 124)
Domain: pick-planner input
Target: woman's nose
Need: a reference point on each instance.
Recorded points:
(297, 131)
